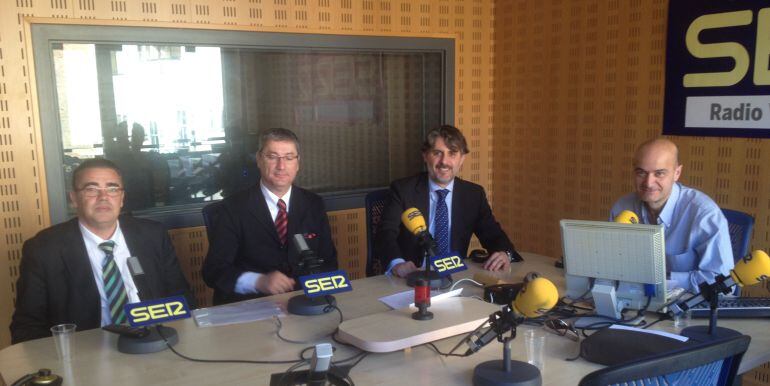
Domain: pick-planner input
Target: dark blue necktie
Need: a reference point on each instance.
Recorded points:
(441, 224)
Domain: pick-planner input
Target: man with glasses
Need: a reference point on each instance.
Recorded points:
(249, 253)
(76, 271)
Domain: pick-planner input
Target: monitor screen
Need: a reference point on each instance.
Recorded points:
(630, 257)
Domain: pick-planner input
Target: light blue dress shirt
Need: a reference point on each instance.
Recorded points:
(432, 199)
(697, 237)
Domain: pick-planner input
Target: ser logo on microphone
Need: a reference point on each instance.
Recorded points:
(326, 283)
(157, 311)
(448, 264)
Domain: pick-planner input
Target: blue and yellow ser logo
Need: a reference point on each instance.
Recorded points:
(326, 283)
(157, 311)
(447, 264)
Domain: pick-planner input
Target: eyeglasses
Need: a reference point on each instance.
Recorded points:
(93, 191)
(273, 158)
(562, 328)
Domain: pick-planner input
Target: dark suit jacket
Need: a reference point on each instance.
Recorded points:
(243, 239)
(56, 283)
(470, 214)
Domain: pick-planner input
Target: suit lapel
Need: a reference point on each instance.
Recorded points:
(458, 198)
(258, 208)
(78, 268)
(139, 248)
(421, 194)
(297, 208)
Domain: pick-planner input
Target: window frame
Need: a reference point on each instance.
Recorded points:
(187, 215)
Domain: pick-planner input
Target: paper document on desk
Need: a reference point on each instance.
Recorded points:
(406, 298)
(241, 312)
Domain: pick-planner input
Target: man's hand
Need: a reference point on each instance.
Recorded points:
(499, 261)
(274, 283)
(403, 269)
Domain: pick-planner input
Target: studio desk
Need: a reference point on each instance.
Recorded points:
(96, 360)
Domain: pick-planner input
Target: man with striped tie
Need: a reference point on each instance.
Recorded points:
(76, 271)
(455, 210)
(249, 253)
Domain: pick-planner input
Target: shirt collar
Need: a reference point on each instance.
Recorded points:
(90, 236)
(432, 186)
(667, 214)
(272, 199)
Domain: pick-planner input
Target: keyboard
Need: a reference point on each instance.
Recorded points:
(732, 307)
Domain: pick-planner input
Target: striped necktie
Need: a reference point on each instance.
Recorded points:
(113, 284)
(441, 224)
(282, 221)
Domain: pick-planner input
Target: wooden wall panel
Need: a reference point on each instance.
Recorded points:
(579, 84)
(22, 196)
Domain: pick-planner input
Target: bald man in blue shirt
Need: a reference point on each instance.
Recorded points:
(697, 238)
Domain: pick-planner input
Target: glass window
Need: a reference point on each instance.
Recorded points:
(183, 120)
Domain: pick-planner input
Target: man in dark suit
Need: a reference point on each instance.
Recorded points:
(249, 252)
(454, 208)
(67, 271)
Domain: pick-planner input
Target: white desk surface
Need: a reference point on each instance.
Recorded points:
(97, 362)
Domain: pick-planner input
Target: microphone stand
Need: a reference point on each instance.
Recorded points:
(505, 372)
(710, 293)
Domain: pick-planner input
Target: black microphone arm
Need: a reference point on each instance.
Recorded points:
(500, 322)
(708, 293)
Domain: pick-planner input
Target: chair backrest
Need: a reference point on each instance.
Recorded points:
(375, 204)
(712, 363)
(740, 225)
(210, 215)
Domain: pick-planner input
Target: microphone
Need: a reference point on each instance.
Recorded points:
(414, 222)
(309, 261)
(140, 280)
(627, 217)
(319, 364)
(308, 271)
(536, 298)
(140, 339)
(750, 270)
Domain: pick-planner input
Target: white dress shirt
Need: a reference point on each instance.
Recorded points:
(121, 255)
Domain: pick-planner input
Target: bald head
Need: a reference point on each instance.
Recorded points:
(656, 169)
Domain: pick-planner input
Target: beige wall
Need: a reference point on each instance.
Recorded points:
(22, 197)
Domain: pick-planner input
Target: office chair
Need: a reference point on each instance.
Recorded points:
(375, 204)
(740, 225)
(210, 214)
(711, 363)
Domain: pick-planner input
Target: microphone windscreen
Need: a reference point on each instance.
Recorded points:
(300, 243)
(752, 269)
(627, 217)
(536, 298)
(134, 266)
(414, 221)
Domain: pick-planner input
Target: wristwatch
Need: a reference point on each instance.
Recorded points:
(510, 256)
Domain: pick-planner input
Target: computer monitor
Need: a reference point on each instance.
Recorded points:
(618, 265)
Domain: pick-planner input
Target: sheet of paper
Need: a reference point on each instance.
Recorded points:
(406, 298)
(656, 332)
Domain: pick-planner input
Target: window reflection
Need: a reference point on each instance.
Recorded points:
(183, 121)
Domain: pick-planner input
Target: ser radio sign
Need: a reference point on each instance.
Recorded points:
(718, 68)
